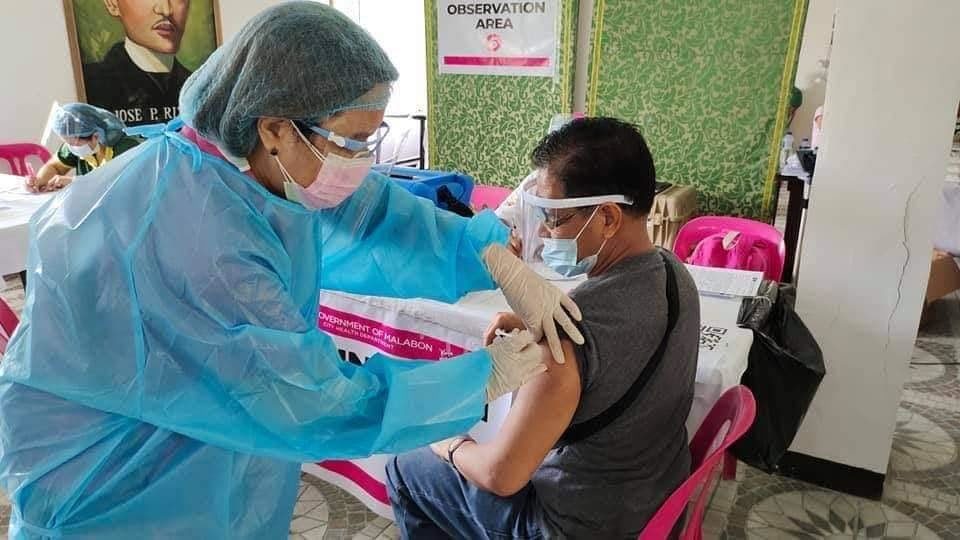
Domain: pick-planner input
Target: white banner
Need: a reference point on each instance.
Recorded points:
(498, 38)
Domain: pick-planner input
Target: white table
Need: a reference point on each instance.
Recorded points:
(16, 206)
(723, 346)
(423, 329)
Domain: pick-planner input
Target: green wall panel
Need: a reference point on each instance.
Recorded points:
(707, 81)
(487, 126)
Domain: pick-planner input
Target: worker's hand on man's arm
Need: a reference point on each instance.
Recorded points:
(505, 322)
(540, 304)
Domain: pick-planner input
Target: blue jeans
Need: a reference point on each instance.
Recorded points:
(432, 500)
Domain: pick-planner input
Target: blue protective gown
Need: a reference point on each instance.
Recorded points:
(168, 377)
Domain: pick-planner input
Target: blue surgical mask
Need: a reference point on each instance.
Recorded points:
(560, 254)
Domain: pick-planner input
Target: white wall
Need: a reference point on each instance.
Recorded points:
(891, 96)
(36, 66)
(814, 47)
(398, 26)
(235, 13)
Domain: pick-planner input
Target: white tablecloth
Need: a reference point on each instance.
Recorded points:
(362, 326)
(16, 206)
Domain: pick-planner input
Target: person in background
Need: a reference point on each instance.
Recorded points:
(142, 70)
(169, 378)
(816, 130)
(91, 137)
(547, 473)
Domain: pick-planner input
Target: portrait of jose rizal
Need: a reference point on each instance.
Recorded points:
(134, 55)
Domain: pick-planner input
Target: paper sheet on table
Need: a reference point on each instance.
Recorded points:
(726, 282)
(18, 187)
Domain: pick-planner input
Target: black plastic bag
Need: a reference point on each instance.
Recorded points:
(784, 371)
(808, 159)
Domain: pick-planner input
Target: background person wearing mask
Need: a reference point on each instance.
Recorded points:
(91, 137)
(168, 377)
(539, 478)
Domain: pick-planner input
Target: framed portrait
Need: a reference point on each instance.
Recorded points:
(132, 56)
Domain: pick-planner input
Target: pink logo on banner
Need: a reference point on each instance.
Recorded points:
(392, 341)
(494, 42)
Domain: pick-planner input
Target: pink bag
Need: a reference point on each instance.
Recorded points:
(733, 249)
(730, 242)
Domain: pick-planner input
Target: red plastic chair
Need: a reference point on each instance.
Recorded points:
(728, 420)
(488, 197)
(696, 230)
(16, 155)
(8, 323)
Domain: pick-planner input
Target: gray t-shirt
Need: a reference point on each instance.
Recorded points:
(610, 484)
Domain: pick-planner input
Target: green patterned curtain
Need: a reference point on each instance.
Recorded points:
(487, 126)
(708, 82)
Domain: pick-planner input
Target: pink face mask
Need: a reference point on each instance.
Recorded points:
(338, 178)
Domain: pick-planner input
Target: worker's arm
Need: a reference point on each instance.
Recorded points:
(50, 170)
(540, 414)
(386, 241)
(235, 364)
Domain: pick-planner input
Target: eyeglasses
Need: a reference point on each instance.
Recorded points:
(359, 148)
(552, 219)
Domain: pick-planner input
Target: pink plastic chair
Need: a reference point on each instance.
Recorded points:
(488, 197)
(694, 231)
(16, 155)
(728, 420)
(8, 323)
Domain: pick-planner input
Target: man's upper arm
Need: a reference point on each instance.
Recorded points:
(540, 414)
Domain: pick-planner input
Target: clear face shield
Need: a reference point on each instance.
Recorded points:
(549, 230)
(80, 133)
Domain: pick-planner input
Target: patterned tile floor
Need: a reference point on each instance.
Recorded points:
(921, 500)
(922, 493)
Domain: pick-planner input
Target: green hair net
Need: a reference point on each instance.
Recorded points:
(82, 121)
(299, 60)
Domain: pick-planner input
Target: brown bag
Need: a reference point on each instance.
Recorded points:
(672, 208)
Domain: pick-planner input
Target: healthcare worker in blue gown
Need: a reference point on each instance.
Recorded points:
(168, 377)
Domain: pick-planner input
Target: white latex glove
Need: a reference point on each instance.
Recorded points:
(540, 304)
(516, 358)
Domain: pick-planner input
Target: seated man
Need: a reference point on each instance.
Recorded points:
(547, 474)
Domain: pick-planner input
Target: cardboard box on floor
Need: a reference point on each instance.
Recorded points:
(944, 276)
